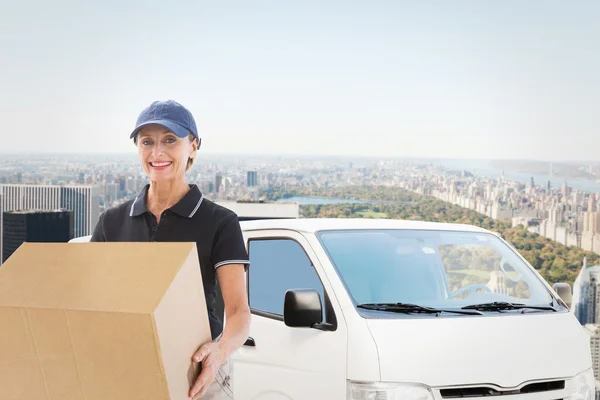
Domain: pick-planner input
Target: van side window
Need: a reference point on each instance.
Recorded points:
(277, 265)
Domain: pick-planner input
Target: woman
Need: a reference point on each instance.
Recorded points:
(171, 210)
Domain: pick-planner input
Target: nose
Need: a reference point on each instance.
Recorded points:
(157, 149)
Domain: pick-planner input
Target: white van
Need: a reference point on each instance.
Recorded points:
(388, 309)
(398, 310)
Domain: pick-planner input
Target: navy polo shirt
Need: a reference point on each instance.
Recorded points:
(214, 228)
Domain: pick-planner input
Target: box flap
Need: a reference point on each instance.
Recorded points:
(113, 276)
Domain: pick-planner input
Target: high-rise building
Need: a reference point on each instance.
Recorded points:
(85, 203)
(591, 222)
(252, 178)
(593, 332)
(218, 182)
(565, 190)
(111, 192)
(577, 197)
(35, 226)
(83, 200)
(586, 295)
(122, 186)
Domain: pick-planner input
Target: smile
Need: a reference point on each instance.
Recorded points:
(158, 164)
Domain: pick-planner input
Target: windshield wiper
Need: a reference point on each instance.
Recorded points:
(504, 305)
(413, 308)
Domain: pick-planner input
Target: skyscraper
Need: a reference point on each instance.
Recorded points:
(593, 332)
(565, 189)
(586, 295)
(218, 182)
(252, 178)
(83, 200)
(35, 226)
(591, 222)
(85, 203)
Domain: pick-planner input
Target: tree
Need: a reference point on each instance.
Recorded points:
(555, 262)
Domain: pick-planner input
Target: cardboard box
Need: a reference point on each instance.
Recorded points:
(100, 321)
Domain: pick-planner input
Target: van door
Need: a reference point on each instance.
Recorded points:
(281, 362)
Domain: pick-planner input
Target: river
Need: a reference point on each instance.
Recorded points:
(482, 169)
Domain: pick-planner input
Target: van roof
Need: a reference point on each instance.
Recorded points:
(311, 225)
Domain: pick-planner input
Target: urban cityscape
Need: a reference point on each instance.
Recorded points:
(60, 197)
(566, 212)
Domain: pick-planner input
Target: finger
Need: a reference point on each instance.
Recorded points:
(203, 391)
(205, 386)
(204, 351)
(201, 385)
(201, 353)
(198, 385)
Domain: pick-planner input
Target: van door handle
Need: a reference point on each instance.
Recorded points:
(250, 342)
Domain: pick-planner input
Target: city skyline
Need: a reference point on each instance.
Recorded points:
(205, 154)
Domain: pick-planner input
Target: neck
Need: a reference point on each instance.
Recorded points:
(163, 195)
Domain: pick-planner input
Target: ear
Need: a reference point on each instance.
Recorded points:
(194, 149)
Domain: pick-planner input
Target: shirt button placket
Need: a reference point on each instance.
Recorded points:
(164, 214)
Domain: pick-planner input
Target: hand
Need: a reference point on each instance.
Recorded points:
(211, 356)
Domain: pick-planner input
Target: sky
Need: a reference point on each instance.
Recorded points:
(455, 79)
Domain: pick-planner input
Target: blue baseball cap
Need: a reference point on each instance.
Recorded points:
(169, 114)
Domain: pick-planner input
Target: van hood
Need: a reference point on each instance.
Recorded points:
(501, 349)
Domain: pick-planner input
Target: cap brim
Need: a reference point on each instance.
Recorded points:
(177, 129)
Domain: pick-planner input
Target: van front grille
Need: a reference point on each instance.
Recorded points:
(484, 391)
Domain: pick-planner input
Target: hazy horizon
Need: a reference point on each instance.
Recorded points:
(462, 80)
(133, 154)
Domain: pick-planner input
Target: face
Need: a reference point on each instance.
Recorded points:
(163, 154)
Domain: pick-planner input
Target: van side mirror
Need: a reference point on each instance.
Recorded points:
(564, 292)
(302, 308)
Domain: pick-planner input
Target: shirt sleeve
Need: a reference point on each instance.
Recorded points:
(228, 245)
(98, 235)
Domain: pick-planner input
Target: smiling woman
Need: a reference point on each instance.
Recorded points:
(169, 209)
(164, 155)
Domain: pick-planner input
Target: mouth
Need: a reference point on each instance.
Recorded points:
(160, 164)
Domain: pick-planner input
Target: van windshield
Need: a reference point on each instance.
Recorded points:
(441, 269)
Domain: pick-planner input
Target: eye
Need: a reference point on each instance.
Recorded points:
(146, 142)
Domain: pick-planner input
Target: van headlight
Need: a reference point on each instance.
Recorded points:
(387, 391)
(585, 386)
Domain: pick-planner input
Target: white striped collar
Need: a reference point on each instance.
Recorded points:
(186, 207)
